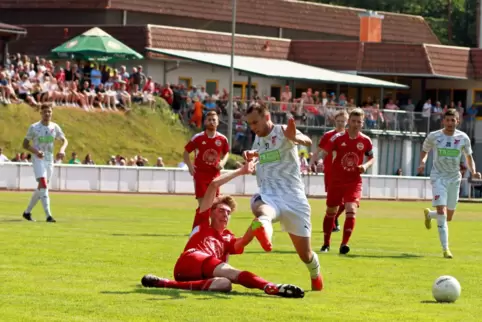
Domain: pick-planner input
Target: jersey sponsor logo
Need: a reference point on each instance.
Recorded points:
(437, 197)
(46, 139)
(269, 157)
(210, 157)
(448, 145)
(349, 161)
(360, 146)
(450, 153)
(218, 142)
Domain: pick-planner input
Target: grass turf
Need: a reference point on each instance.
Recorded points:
(88, 266)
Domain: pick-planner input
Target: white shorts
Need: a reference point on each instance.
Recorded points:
(42, 169)
(293, 213)
(445, 193)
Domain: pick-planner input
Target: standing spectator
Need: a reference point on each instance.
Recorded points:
(426, 113)
(3, 157)
(471, 117)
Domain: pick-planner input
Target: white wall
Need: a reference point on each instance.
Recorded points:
(199, 74)
(19, 176)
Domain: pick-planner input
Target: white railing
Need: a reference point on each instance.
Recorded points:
(79, 178)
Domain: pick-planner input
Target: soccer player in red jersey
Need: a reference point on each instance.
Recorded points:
(203, 264)
(211, 154)
(345, 187)
(341, 119)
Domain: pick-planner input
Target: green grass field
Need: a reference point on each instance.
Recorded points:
(88, 266)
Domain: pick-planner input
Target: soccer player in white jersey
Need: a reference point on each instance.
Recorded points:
(43, 134)
(282, 194)
(448, 145)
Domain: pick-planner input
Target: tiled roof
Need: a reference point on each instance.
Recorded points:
(298, 15)
(41, 40)
(389, 58)
(220, 43)
(476, 60)
(450, 61)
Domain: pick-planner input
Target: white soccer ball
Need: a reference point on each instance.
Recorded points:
(446, 289)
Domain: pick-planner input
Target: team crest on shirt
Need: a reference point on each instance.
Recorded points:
(349, 162)
(273, 140)
(210, 157)
(436, 197)
(456, 142)
(360, 146)
(217, 142)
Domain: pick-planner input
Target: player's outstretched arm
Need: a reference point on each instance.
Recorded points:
(295, 136)
(210, 194)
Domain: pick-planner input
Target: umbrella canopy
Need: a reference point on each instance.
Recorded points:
(95, 45)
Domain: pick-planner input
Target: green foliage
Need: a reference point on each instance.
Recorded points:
(435, 12)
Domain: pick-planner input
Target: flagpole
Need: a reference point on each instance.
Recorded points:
(231, 77)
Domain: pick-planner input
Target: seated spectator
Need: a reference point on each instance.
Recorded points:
(160, 163)
(124, 97)
(88, 160)
(74, 159)
(25, 88)
(59, 158)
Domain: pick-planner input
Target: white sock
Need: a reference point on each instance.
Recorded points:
(314, 266)
(44, 197)
(267, 225)
(432, 214)
(443, 231)
(33, 201)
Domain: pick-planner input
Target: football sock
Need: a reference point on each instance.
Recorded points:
(443, 231)
(201, 285)
(196, 219)
(432, 215)
(249, 280)
(267, 225)
(328, 223)
(348, 228)
(314, 266)
(33, 201)
(45, 199)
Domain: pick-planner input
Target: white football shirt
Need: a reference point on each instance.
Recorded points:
(43, 138)
(447, 153)
(278, 171)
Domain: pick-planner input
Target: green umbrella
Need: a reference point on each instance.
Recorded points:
(95, 45)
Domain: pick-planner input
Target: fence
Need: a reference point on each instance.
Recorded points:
(19, 176)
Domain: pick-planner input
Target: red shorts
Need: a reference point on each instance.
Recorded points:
(201, 184)
(195, 265)
(327, 182)
(342, 194)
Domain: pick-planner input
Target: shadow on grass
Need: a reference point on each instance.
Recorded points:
(176, 294)
(11, 220)
(433, 302)
(151, 235)
(399, 256)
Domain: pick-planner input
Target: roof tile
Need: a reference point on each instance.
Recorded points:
(450, 61)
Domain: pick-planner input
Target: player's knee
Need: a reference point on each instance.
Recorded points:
(221, 284)
(331, 211)
(351, 209)
(441, 210)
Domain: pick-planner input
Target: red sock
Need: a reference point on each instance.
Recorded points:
(348, 228)
(201, 285)
(328, 224)
(197, 219)
(249, 280)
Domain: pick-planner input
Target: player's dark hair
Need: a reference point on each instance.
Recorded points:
(452, 112)
(45, 106)
(226, 200)
(341, 113)
(357, 112)
(211, 113)
(259, 107)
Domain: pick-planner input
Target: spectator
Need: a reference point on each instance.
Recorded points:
(88, 160)
(59, 158)
(160, 163)
(74, 159)
(3, 157)
(472, 113)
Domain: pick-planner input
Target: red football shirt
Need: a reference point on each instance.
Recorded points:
(349, 155)
(204, 238)
(208, 151)
(328, 160)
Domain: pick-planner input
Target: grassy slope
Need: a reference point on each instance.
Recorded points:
(152, 134)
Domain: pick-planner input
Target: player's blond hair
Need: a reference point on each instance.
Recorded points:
(225, 200)
(357, 112)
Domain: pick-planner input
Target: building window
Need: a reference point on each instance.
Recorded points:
(186, 81)
(211, 86)
(240, 89)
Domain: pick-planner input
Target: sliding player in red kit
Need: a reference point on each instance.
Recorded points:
(345, 187)
(203, 264)
(341, 119)
(211, 154)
